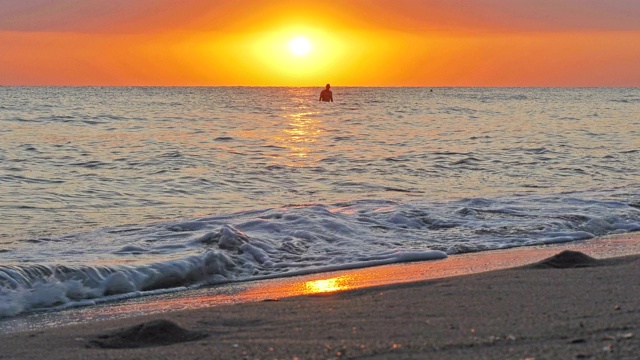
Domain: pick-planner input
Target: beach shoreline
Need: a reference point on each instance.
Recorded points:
(495, 307)
(340, 280)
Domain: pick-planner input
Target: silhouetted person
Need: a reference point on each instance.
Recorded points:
(326, 94)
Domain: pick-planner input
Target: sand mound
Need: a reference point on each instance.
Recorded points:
(566, 259)
(152, 333)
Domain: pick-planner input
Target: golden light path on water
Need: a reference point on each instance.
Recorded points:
(301, 133)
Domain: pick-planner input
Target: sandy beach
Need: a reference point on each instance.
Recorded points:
(574, 301)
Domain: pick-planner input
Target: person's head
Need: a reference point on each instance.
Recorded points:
(328, 86)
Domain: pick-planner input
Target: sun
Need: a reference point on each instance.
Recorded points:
(300, 46)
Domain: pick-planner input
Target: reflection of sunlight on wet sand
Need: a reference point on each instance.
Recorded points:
(303, 130)
(328, 285)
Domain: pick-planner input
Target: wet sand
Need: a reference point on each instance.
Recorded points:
(578, 304)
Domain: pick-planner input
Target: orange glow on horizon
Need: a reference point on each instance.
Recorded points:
(360, 43)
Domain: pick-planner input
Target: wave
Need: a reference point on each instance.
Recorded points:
(136, 260)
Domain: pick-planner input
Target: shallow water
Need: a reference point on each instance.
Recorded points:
(110, 192)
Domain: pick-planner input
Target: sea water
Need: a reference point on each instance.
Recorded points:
(108, 193)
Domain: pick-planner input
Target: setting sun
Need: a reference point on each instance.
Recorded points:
(300, 46)
(295, 54)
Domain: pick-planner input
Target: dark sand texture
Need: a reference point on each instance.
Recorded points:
(570, 306)
(151, 333)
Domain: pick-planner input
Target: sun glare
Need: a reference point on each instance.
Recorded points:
(300, 46)
(288, 54)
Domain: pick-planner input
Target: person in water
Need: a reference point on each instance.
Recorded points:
(326, 94)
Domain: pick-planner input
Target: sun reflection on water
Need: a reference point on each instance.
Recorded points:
(301, 133)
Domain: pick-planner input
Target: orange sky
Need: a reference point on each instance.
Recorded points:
(353, 42)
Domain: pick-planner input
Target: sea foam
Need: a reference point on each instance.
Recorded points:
(112, 263)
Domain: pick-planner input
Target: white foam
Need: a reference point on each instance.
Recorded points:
(111, 263)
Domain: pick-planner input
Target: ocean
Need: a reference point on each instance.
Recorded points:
(116, 192)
